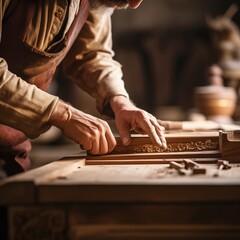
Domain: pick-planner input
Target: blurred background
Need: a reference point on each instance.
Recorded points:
(165, 47)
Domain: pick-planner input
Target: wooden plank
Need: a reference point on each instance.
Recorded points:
(152, 193)
(140, 183)
(22, 188)
(128, 161)
(147, 158)
(154, 232)
(72, 181)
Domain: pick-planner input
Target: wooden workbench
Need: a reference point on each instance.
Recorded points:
(84, 198)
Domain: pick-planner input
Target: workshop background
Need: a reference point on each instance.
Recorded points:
(165, 48)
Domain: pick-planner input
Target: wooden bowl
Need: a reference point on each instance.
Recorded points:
(217, 103)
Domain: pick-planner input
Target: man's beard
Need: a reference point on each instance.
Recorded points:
(107, 6)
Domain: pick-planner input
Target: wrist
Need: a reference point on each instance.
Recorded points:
(60, 115)
(119, 103)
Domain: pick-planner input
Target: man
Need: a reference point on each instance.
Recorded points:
(36, 36)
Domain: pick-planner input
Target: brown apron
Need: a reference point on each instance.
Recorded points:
(34, 66)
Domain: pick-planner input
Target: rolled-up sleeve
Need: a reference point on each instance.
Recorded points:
(90, 62)
(22, 106)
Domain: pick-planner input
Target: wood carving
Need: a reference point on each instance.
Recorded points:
(172, 147)
(36, 223)
(184, 145)
(176, 143)
(226, 38)
(226, 44)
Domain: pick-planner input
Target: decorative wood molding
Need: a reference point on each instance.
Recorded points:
(179, 145)
(206, 145)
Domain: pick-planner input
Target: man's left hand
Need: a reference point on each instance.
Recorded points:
(128, 117)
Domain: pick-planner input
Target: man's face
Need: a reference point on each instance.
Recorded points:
(110, 5)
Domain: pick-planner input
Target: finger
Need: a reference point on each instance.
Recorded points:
(103, 144)
(124, 132)
(150, 129)
(154, 137)
(95, 146)
(87, 145)
(111, 141)
(161, 134)
(110, 138)
(100, 143)
(107, 140)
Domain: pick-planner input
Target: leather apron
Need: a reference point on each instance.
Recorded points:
(34, 66)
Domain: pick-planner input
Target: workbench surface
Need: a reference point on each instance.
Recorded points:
(80, 198)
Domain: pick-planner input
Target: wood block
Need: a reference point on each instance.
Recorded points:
(230, 145)
(199, 170)
(194, 166)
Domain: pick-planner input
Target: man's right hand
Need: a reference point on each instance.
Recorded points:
(91, 133)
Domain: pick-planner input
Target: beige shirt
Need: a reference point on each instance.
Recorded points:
(89, 64)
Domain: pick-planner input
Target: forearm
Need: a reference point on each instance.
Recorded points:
(24, 106)
(90, 62)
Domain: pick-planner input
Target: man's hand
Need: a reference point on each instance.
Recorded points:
(128, 117)
(91, 133)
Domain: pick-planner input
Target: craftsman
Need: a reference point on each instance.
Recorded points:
(36, 36)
